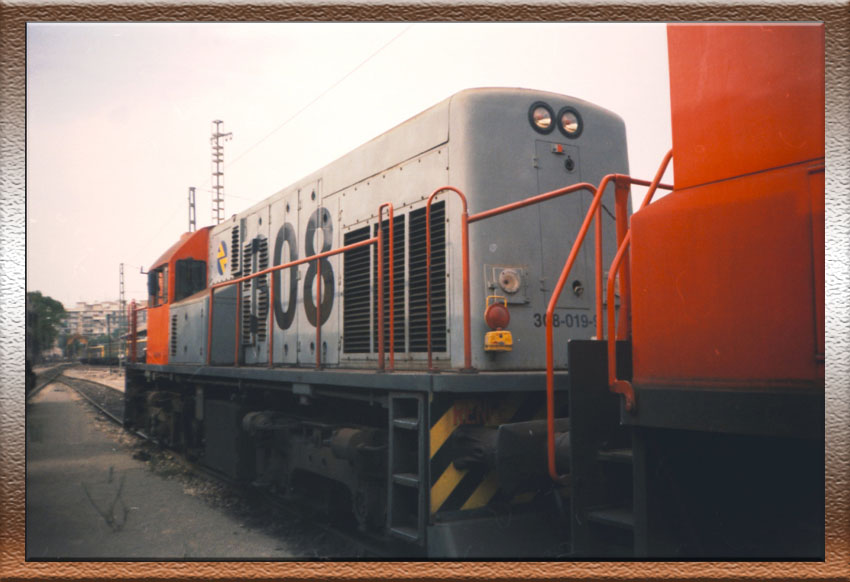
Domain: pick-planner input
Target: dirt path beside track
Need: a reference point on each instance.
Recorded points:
(95, 491)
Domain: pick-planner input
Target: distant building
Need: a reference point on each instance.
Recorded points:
(89, 319)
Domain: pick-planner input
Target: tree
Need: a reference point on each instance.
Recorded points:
(44, 321)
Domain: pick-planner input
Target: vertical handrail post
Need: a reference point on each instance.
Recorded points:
(428, 281)
(622, 222)
(318, 314)
(380, 291)
(624, 387)
(271, 319)
(391, 259)
(467, 345)
(553, 301)
(132, 314)
(236, 337)
(210, 324)
(600, 334)
(614, 385)
(464, 224)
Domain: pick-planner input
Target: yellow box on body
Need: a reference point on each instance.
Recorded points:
(498, 341)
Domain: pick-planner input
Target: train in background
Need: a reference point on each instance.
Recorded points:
(397, 338)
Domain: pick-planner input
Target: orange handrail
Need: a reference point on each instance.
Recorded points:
(464, 228)
(271, 321)
(530, 201)
(624, 387)
(593, 212)
(550, 310)
(389, 207)
(548, 196)
(319, 313)
(466, 220)
(238, 323)
(317, 257)
(133, 310)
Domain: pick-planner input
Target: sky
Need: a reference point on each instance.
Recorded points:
(119, 117)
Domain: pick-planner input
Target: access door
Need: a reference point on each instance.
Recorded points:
(558, 166)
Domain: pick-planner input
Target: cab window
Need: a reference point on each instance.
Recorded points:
(190, 276)
(158, 286)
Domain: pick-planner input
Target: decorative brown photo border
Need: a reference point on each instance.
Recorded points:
(13, 19)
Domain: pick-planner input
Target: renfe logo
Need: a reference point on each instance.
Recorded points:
(222, 257)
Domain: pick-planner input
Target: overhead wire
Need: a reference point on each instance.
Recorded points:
(319, 96)
(287, 121)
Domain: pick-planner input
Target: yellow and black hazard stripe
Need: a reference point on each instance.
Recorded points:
(454, 489)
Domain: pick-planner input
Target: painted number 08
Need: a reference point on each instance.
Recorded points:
(320, 220)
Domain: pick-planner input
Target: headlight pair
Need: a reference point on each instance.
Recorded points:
(541, 117)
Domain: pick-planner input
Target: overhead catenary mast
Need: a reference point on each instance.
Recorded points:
(122, 305)
(192, 225)
(217, 170)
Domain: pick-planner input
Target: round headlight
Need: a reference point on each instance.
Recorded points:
(541, 117)
(569, 122)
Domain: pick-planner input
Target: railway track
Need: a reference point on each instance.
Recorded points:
(110, 403)
(107, 400)
(45, 377)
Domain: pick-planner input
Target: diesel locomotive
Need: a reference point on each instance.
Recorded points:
(397, 338)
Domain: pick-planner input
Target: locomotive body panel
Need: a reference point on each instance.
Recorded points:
(254, 254)
(727, 291)
(498, 158)
(745, 98)
(285, 224)
(157, 345)
(188, 329)
(732, 260)
(406, 185)
(479, 140)
(317, 221)
(173, 277)
(410, 139)
(752, 297)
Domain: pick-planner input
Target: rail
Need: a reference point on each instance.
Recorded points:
(464, 226)
(376, 240)
(624, 387)
(548, 196)
(380, 245)
(317, 257)
(622, 181)
(133, 310)
(466, 220)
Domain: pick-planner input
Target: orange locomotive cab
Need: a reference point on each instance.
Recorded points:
(181, 271)
(723, 437)
(728, 271)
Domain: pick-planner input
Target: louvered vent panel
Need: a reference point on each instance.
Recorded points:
(262, 289)
(247, 323)
(234, 254)
(417, 280)
(356, 312)
(173, 339)
(398, 283)
(246, 266)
